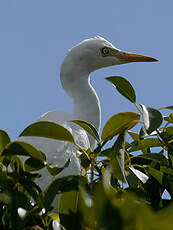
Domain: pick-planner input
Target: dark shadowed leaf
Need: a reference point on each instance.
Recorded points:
(64, 184)
(158, 175)
(135, 177)
(117, 158)
(89, 128)
(154, 157)
(55, 170)
(124, 87)
(117, 123)
(33, 164)
(23, 148)
(49, 130)
(152, 118)
(4, 139)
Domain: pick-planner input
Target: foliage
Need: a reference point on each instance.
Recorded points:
(121, 184)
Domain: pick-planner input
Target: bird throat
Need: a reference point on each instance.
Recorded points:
(87, 106)
(76, 82)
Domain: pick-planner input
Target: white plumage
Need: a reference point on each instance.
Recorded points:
(81, 60)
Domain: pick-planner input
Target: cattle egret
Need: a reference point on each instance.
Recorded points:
(81, 60)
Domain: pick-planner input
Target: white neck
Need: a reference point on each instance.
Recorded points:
(76, 83)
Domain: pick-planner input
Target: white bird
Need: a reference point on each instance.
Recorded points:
(84, 58)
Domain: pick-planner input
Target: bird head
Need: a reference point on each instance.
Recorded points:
(97, 52)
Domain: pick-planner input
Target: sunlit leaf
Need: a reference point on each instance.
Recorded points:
(49, 130)
(133, 135)
(55, 170)
(117, 158)
(23, 148)
(4, 139)
(124, 87)
(152, 118)
(89, 128)
(117, 123)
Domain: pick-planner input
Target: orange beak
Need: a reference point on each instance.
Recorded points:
(125, 57)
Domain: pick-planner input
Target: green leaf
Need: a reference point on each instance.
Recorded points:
(170, 118)
(89, 128)
(160, 158)
(152, 118)
(166, 170)
(68, 202)
(158, 175)
(33, 164)
(4, 140)
(169, 130)
(64, 184)
(135, 177)
(23, 148)
(49, 130)
(55, 170)
(145, 144)
(117, 123)
(16, 164)
(117, 158)
(85, 159)
(124, 87)
(134, 136)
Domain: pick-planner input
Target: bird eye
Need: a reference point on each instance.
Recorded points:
(105, 51)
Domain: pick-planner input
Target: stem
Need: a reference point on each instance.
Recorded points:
(137, 107)
(92, 173)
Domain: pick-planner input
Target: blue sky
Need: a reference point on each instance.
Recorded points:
(36, 34)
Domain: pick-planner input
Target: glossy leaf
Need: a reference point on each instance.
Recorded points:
(117, 158)
(49, 130)
(124, 87)
(89, 128)
(23, 148)
(4, 139)
(152, 118)
(117, 123)
(55, 170)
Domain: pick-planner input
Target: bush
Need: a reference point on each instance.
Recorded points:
(122, 180)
